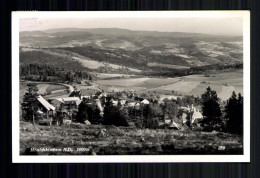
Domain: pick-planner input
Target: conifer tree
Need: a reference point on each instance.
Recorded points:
(114, 116)
(234, 113)
(211, 110)
(29, 105)
(82, 111)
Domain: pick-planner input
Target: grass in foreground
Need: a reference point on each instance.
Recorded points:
(111, 140)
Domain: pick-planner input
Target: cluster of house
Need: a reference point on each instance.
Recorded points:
(69, 104)
(191, 114)
(64, 104)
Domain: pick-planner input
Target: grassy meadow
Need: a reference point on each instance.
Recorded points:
(223, 83)
(112, 140)
(53, 90)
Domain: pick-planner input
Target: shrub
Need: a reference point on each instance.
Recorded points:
(116, 118)
(152, 123)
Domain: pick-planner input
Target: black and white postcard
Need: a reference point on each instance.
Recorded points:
(151, 86)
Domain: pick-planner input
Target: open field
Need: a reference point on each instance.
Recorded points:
(89, 63)
(88, 139)
(223, 83)
(52, 89)
(138, 84)
(215, 49)
(86, 62)
(181, 86)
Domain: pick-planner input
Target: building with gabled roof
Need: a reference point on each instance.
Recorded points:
(56, 102)
(66, 103)
(45, 103)
(69, 99)
(133, 104)
(44, 106)
(190, 114)
(88, 92)
(196, 116)
(75, 93)
(174, 125)
(145, 101)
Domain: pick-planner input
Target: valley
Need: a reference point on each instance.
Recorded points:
(140, 61)
(117, 91)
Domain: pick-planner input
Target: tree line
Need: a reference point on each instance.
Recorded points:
(48, 73)
(167, 72)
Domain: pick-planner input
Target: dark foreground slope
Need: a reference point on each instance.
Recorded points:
(111, 140)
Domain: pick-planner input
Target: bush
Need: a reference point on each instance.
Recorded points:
(116, 118)
(152, 123)
(139, 122)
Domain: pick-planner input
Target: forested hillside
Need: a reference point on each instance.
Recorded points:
(39, 57)
(138, 48)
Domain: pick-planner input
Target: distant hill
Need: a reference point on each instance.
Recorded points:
(125, 32)
(138, 48)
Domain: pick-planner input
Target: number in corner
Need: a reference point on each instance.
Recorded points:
(82, 149)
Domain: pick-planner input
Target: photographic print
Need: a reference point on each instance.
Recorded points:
(131, 86)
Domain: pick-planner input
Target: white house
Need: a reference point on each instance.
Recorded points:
(145, 101)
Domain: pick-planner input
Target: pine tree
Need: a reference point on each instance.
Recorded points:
(30, 105)
(114, 116)
(82, 111)
(234, 113)
(148, 114)
(109, 112)
(211, 110)
(179, 101)
(69, 77)
(170, 109)
(97, 116)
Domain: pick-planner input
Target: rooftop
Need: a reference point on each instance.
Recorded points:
(45, 103)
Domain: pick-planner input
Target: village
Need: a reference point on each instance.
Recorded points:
(65, 110)
(94, 122)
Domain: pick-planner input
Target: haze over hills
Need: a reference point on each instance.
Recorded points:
(137, 49)
(118, 32)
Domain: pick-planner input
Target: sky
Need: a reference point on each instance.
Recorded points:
(220, 25)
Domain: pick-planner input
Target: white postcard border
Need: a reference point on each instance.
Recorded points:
(16, 158)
